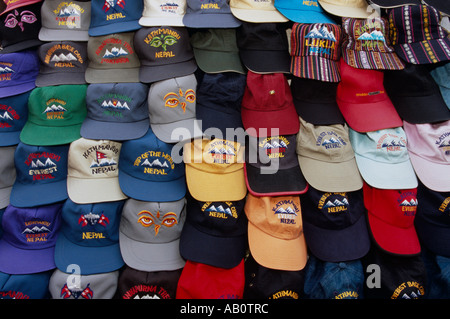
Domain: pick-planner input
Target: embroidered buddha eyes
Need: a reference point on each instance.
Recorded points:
(14, 19)
(163, 41)
(173, 99)
(147, 219)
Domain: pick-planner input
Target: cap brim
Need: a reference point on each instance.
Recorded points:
(337, 245)
(212, 119)
(119, 27)
(218, 61)
(59, 78)
(151, 257)
(302, 16)
(276, 253)
(49, 35)
(319, 113)
(280, 122)
(149, 74)
(31, 195)
(331, 176)
(315, 68)
(258, 16)
(282, 183)
(34, 134)
(210, 20)
(17, 261)
(346, 11)
(431, 174)
(94, 190)
(372, 60)
(387, 175)
(268, 61)
(116, 131)
(439, 47)
(9, 138)
(222, 252)
(28, 44)
(17, 89)
(121, 75)
(152, 191)
(433, 237)
(156, 21)
(179, 131)
(90, 260)
(206, 187)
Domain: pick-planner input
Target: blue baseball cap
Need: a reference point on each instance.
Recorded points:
(303, 11)
(212, 14)
(13, 116)
(29, 237)
(89, 237)
(115, 16)
(441, 76)
(148, 172)
(41, 175)
(18, 72)
(27, 286)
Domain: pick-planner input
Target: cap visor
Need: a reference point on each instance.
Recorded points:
(28, 44)
(118, 28)
(433, 175)
(177, 131)
(217, 118)
(222, 252)
(36, 195)
(85, 191)
(319, 113)
(149, 74)
(439, 47)
(315, 68)
(210, 20)
(258, 16)
(91, 260)
(9, 138)
(372, 60)
(17, 89)
(46, 34)
(432, 236)
(151, 21)
(217, 62)
(345, 11)
(280, 122)
(49, 79)
(205, 186)
(266, 61)
(151, 257)
(17, 261)
(34, 134)
(116, 131)
(112, 75)
(302, 16)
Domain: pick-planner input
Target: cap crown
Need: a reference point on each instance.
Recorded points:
(212, 7)
(62, 56)
(13, 113)
(66, 15)
(18, 68)
(113, 12)
(164, 8)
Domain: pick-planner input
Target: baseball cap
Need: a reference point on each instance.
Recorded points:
(428, 148)
(256, 11)
(335, 225)
(334, 280)
(315, 50)
(315, 101)
(136, 284)
(393, 3)
(215, 169)
(68, 286)
(215, 232)
(201, 281)
(432, 221)
(216, 14)
(112, 58)
(9, 5)
(440, 5)
(171, 108)
(92, 173)
(367, 44)
(55, 114)
(115, 111)
(164, 52)
(384, 151)
(13, 116)
(216, 50)
(416, 35)
(391, 214)
(347, 8)
(7, 174)
(267, 104)
(114, 16)
(89, 237)
(29, 238)
(271, 166)
(62, 62)
(149, 234)
(275, 231)
(161, 12)
(219, 115)
(264, 47)
(26, 286)
(18, 72)
(415, 95)
(304, 12)
(20, 27)
(326, 157)
(41, 175)
(441, 75)
(148, 170)
(65, 21)
(365, 105)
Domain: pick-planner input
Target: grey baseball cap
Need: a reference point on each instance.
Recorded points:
(112, 58)
(171, 106)
(7, 174)
(115, 111)
(64, 285)
(149, 234)
(65, 21)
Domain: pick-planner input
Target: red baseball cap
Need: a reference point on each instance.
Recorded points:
(201, 281)
(363, 101)
(391, 214)
(267, 104)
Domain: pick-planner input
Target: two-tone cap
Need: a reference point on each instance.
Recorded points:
(161, 12)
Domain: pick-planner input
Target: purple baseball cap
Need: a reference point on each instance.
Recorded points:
(29, 238)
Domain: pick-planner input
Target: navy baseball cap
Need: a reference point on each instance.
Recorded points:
(18, 72)
(29, 238)
(26, 286)
(41, 175)
(115, 111)
(13, 116)
(148, 172)
(89, 237)
(114, 16)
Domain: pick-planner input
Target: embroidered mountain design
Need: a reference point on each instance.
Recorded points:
(289, 211)
(6, 116)
(63, 57)
(68, 11)
(336, 202)
(115, 52)
(36, 230)
(221, 151)
(155, 162)
(372, 36)
(219, 209)
(393, 143)
(323, 33)
(6, 70)
(115, 104)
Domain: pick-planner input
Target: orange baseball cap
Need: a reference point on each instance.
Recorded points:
(275, 232)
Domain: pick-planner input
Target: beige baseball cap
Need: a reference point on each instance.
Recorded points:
(275, 232)
(163, 12)
(326, 157)
(92, 172)
(348, 8)
(258, 11)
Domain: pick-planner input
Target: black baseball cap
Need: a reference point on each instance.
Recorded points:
(441, 5)
(393, 3)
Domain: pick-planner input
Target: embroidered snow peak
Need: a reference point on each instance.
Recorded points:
(157, 166)
(63, 60)
(103, 147)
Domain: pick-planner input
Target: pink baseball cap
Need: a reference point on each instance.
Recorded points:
(429, 151)
(14, 4)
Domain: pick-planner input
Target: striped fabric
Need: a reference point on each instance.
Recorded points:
(315, 51)
(416, 35)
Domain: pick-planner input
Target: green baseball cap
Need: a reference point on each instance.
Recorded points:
(55, 114)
